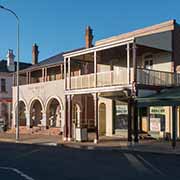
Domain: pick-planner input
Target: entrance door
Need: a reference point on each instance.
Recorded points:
(102, 119)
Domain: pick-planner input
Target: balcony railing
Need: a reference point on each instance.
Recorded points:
(157, 78)
(107, 78)
(115, 78)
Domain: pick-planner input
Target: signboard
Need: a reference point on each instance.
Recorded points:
(121, 109)
(157, 110)
(121, 121)
(155, 125)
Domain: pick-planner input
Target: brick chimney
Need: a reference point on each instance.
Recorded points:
(10, 60)
(88, 37)
(35, 54)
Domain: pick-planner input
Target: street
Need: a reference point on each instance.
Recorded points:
(33, 162)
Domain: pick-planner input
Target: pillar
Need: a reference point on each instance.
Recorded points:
(69, 99)
(69, 73)
(65, 128)
(28, 120)
(135, 121)
(44, 121)
(174, 125)
(96, 109)
(129, 120)
(95, 69)
(128, 63)
(65, 76)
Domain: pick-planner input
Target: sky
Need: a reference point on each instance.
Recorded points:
(59, 25)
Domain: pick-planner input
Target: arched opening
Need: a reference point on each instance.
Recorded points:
(22, 115)
(76, 115)
(102, 119)
(53, 112)
(4, 113)
(36, 113)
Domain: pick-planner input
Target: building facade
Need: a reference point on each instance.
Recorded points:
(101, 87)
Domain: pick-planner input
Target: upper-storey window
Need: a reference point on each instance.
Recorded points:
(52, 77)
(3, 85)
(148, 61)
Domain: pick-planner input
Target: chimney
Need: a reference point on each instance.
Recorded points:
(35, 53)
(88, 37)
(10, 60)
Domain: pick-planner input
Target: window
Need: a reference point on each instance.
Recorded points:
(148, 62)
(52, 77)
(3, 85)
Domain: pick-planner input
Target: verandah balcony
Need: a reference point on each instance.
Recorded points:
(120, 78)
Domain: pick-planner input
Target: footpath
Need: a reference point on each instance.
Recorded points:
(104, 143)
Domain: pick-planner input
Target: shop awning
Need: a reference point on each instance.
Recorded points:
(168, 97)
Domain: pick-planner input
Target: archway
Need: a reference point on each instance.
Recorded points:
(22, 115)
(76, 115)
(36, 113)
(4, 113)
(53, 113)
(102, 119)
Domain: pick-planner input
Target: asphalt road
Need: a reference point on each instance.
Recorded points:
(33, 162)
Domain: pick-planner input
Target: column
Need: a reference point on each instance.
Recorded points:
(28, 120)
(43, 75)
(129, 120)
(29, 77)
(174, 126)
(44, 121)
(135, 94)
(128, 63)
(69, 117)
(69, 73)
(96, 109)
(65, 78)
(95, 69)
(135, 121)
(65, 128)
(62, 73)
(134, 62)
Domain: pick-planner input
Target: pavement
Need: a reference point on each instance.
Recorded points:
(105, 143)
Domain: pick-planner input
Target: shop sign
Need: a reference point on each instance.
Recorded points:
(157, 110)
(121, 109)
(155, 124)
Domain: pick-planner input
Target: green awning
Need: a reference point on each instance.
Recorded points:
(167, 97)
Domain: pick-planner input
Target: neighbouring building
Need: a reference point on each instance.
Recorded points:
(7, 68)
(116, 87)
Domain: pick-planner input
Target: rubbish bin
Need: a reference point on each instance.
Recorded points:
(81, 134)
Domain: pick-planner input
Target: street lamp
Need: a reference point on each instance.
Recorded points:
(17, 70)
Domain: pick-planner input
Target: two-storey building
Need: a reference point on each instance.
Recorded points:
(106, 87)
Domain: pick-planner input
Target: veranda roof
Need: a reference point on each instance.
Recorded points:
(167, 97)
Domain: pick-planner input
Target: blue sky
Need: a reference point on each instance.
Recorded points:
(58, 25)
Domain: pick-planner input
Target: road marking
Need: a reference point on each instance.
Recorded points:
(136, 163)
(25, 176)
(153, 167)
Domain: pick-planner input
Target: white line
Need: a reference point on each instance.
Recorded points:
(153, 167)
(136, 163)
(18, 172)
